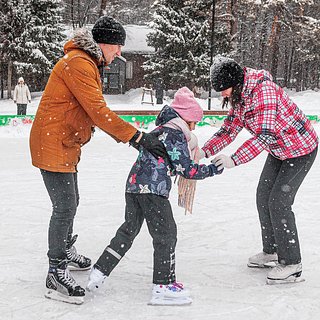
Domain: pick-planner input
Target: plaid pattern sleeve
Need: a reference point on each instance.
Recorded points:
(232, 125)
(261, 122)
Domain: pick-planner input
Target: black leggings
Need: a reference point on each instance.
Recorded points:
(157, 212)
(278, 185)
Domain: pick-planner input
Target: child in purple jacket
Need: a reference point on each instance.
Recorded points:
(147, 191)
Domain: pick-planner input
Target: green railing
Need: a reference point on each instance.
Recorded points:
(139, 120)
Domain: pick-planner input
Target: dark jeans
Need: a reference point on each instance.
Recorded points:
(278, 185)
(162, 228)
(63, 191)
(21, 109)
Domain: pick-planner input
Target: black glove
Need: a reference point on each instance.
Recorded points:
(150, 142)
(213, 170)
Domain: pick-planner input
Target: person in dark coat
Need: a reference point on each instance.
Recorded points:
(159, 90)
(147, 191)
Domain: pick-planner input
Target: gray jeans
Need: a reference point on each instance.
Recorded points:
(63, 191)
(278, 185)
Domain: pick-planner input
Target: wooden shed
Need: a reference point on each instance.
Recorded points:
(126, 72)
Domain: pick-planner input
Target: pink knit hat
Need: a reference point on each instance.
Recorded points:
(186, 105)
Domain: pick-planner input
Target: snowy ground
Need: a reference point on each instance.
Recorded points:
(213, 243)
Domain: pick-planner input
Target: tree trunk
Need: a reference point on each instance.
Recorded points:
(9, 93)
(79, 14)
(72, 14)
(84, 18)
(274, 46)
(233, 24)
(234, 20)
(285, 61)
(2, 82)
(291, 56)
(103, 6)
(262, 44)
(299, 77)
(304, 76)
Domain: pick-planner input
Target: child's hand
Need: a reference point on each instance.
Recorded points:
(214, 170)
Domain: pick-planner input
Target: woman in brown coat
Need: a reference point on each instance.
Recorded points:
(71, 105)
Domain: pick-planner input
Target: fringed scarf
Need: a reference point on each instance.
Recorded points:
(186, 187)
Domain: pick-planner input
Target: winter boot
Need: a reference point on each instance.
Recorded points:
(96, 280)
(263, 260)
(77, 262)
(285, 274)
(171, 294)
(61, 286)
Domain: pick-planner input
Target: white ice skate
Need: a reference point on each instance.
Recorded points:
(263, 260)
(96, 280)
(170, 295)
(282, 274)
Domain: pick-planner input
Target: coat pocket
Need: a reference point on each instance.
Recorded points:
(78, 127)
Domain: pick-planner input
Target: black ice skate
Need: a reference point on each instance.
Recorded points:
(61, 286)
(77, 262)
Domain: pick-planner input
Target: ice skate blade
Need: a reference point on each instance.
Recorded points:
(163, 301)
(55, 295)
(270, 264)
(75, 268)
(291, 279)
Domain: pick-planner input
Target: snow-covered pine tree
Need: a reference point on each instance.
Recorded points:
(77, 13)
(281, 36)
(304, 33)
(130, 11)
(42, 37)
(181, 37)
(14, 15)
(31, 38)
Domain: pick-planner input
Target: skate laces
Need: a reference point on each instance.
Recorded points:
(66, 278)
(73, 255)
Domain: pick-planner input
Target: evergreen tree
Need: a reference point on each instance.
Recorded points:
(78, 13)
(42, 37)
(13, 16)
(130, 11)
(181, 37)
(31, 37)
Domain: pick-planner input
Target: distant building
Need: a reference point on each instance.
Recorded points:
(126, 72)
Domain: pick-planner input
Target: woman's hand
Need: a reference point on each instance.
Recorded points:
(223, 161)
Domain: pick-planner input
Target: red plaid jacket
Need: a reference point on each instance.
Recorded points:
(275, 122)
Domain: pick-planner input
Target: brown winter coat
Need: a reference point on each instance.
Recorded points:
(71, 105)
